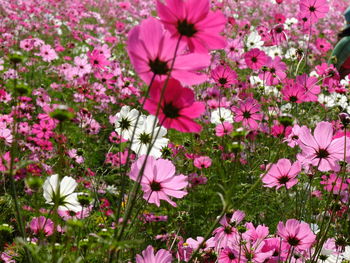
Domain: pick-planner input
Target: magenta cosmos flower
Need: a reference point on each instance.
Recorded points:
(296, 234)
(282, 174)
(43, 225)
(148, 256)
(314, 9)
(248, 113)
(321, 149)
(151, 50)
(159, 180)
(224, 76)
(194, 22)
(255, 58)
(177, 107)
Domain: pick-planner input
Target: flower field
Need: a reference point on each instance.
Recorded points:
(158, 131)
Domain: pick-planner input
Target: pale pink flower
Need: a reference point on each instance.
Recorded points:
(42, 225)
(159, 181)
(320, 149)
(148, 256)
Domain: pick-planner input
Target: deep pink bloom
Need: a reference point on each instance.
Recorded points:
(282, 174)
(280, 251)
(194, 22)
(274, 72)
(42, 225)
(97, 59)
(255, 58)
(314, 9)
(159, 180)
(224, 76)
(323, 45)
(177, 107)
(202, 162)
(152, 50)
(148, 256)
(247, 112)
(321, 149)
(294, 93)
(296, 234)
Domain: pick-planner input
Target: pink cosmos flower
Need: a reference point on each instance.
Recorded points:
(294, 93)
(82, 66)
(224, 76)
(280, 251)
(177, 107)
(202, 162)
(194, 22)
(76, 156)
(293, 137)
(41, 224)
(159, 181)
(333, 183)
(151, 51)
(69, 215)
(274, 72)
(148, 256)
(282, 174)
(314, 9)
(296, 234)
(247, 112)
(6, 134)
(227, 233)
(97, 59)
(223, 129)
(255, 58)
(229, 255)
(321, 149)
(323, 45)
(47, 53)
(311, 90)
(42, 130)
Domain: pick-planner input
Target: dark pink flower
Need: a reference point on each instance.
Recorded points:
(274, 72)
(151, 51)
(255, 58)
(177, 107)
(194, 22)
(97, 59)
(202, 162)
(247, 112)
(224, 76)
(314, 9)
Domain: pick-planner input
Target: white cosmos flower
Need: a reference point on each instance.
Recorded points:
(144, 138)
(254, 40)
(126, 121)
(346, 253)
(61, 192)
(221, 115)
